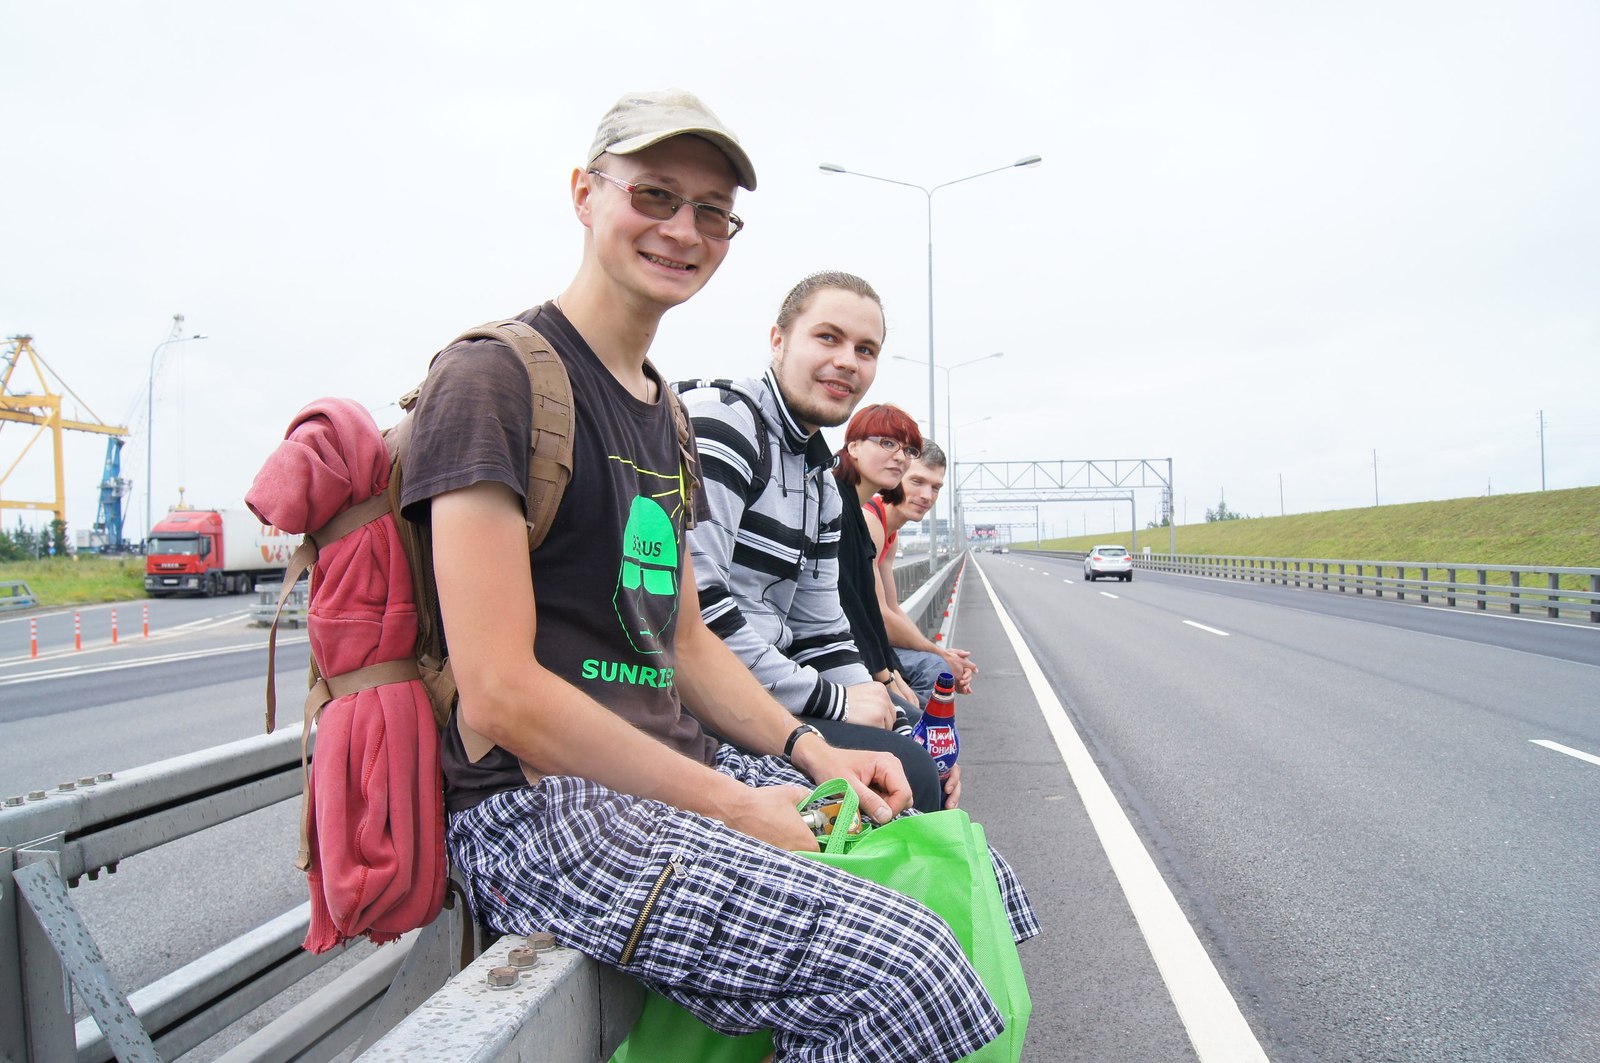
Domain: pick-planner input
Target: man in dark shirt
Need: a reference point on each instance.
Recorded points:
(585, 800)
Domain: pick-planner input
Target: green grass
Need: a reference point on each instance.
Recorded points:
(1559, 529)
(80, 580)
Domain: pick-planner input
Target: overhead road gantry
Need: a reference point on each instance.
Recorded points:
(987, 484)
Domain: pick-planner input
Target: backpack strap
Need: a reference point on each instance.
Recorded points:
(761, 472)
(549, 471)
(688, 461)
(550, 461)
(305, 555)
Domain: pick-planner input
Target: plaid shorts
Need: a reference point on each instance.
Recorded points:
(741, 934)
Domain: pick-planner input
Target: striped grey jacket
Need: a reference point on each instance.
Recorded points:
(768, 569)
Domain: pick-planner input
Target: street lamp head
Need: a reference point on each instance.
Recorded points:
(1031, 160)
(832, 167)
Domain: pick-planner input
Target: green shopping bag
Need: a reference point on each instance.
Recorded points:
(940, 859)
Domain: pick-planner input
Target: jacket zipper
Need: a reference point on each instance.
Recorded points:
(644, 913)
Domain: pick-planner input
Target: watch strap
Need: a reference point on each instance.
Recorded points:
(794, 736)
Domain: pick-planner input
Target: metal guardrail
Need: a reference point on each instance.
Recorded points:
(266, 604)
(907, 578)
(49, 840)
(15, 594)
(925, 605)
(1555, 590)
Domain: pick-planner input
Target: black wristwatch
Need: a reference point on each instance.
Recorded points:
(794, 736)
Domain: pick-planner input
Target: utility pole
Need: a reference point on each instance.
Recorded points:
(1281, 511)
(1374, 476)
(1541, 450)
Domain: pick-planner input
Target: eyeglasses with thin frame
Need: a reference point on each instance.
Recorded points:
(891, 445)
(653, 201)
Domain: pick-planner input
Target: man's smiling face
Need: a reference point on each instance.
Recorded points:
(662, 263)
(828, 357)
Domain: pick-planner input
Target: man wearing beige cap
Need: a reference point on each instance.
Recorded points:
(589, 802)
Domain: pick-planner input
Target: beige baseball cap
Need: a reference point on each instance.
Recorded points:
(641, 119)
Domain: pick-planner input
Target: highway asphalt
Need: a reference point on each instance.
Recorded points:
(1346, 799)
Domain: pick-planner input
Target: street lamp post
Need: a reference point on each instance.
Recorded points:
(949, 422)
(150, 413)
(828, 167)
(958, 512)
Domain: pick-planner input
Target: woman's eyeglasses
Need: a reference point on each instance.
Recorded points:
(891, 445)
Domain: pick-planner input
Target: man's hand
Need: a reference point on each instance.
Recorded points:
(771, 814)
(952, 787)
(868, 704)
(961, 666)
(878, 779)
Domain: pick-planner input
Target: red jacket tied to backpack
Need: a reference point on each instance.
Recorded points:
(372, 829)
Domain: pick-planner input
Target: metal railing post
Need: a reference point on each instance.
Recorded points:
(1554, 609)
(1424, 586)
(1594, 604)
(13, 1016)
(1516, 599)
(1450, 596)
(1483, 588)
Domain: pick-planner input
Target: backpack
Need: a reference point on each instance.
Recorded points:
(549, 472)
(408, 852)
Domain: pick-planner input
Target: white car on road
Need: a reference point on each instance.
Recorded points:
(1108, 561)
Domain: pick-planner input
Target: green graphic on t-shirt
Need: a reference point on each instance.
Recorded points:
(646, 599)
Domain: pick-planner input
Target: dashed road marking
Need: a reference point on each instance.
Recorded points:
(1108, 594)
(1568, 750)
(1202, 627)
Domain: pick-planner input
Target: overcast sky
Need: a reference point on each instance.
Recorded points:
(1266, 240)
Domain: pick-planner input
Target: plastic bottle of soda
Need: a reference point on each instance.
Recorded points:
(936, 731)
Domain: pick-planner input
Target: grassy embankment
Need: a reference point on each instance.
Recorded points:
(1555, 528)
(80, 581)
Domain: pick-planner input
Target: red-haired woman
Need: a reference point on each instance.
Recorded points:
(880, 442)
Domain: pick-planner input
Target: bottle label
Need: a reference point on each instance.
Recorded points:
(941, 741)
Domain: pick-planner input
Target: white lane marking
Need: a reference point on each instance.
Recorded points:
(60, 673)
(1108, 594)
(1066, 581)
(1203, 627)
(1568, 750)
(1217, 1028)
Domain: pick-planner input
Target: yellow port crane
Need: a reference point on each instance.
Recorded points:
(44, 410)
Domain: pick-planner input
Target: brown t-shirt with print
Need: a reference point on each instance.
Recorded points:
(606, 577)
